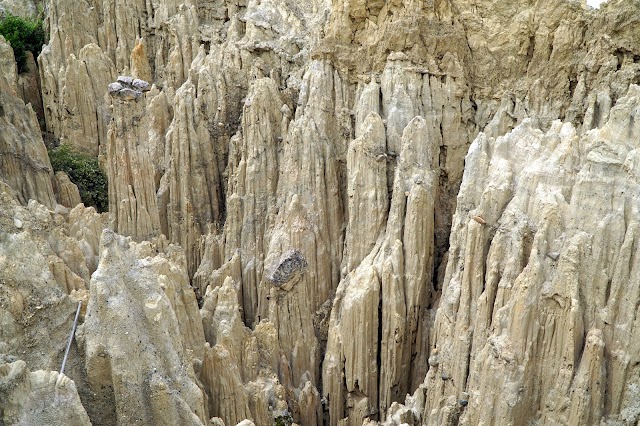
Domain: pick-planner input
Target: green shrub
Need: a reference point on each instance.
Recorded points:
(23, 35)
(85, 172)
(283, 419)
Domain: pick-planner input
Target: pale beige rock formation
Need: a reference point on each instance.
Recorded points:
(22, 8)
(91, 42)
(532, 315)
(241, 365)
(67, 192)
(385, 299)
(39, 268)
(39, 397)
(189, 192)
(85, 226)
(24, 164)
(308, 222)
(43, 275)
(29, 87)
(142, 336)
(253, 184)
(77, 113)
(367, 188)
(309, 158)
(130, 170)
(190, 185)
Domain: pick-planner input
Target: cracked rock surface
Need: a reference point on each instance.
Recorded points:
(325, 212)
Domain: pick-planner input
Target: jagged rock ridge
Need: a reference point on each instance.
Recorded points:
(372, 199)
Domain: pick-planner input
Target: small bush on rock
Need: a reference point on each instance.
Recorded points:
(283, 419)
(23, 35)
(85, 172)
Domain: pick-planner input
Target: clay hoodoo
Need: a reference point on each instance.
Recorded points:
(325, 212)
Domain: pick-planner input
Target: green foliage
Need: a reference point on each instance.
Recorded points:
(284, 419)
(85, 172)
(23, 35)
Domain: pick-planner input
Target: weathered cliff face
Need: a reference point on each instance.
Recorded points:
(135, 284)
(536, 321)
(24, 164)
(40, 397)
(89, 41)
(132, 195)
(372, 199)
(388, 293)
(41, 267)
(44, 272)
(22, 8)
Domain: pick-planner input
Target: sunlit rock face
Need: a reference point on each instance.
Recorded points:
(21, 8)
(327, 212)
(134, 282)
(541, 267)
(24, 164)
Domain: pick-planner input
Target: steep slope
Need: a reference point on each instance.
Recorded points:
(24, 164)
(372, 199)
(44, 272)
(538, 313)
